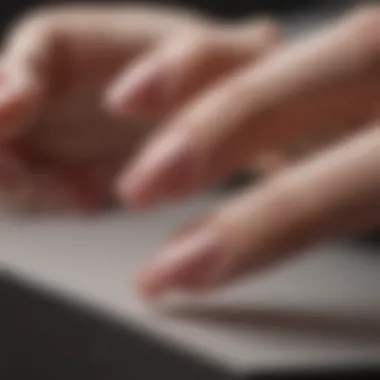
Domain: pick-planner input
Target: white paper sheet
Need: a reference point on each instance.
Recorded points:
(322, 309)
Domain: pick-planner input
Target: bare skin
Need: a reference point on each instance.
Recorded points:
(63, 134)
(330, 80)
(217, 107)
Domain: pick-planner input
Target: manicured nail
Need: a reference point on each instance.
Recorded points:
(141, 92)
(184, 262)
(157, 170)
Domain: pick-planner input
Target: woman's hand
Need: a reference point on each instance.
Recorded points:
(329, 80)
(65, 126)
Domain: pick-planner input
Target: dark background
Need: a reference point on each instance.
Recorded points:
(9, 10)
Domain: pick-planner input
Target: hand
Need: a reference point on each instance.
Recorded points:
(65, 127)
(330, 80)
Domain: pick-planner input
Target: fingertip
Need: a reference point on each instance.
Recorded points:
(139, 187)
(136, 93)
(187, 264)
(129, 195)
(149, 286)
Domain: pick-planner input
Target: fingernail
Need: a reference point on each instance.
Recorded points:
(139, 93)
(186, 262)
(159, 169)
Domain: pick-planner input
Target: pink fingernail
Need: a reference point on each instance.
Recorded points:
(183, 263)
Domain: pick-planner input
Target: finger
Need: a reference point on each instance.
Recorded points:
(164, 79)
(270, 162)
(336, 193)
(295, 90)
(53, 48)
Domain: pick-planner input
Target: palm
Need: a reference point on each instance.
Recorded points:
(74, 131)
(73, 142)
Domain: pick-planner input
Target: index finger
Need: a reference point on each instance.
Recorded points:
(332, 77)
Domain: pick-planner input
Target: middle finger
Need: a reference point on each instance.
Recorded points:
(331, 78)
